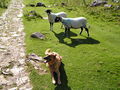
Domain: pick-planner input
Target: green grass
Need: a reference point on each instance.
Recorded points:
(1, 11)
(3, 5)
(89, 63)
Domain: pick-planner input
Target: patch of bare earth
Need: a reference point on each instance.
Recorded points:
(13, 75)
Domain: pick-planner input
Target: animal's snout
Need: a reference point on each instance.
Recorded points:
(47, 59)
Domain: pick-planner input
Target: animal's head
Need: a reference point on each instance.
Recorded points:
(58, 19)
(49, 56)
(48, 11)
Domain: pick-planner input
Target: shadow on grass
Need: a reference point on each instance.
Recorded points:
(76, 41)
(63, 78)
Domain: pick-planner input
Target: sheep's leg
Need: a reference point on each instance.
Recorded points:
(51, 26)
(87, 31)
(65, 31)
(62, 26)
(59, 81)
(81, 30)
(68, 32)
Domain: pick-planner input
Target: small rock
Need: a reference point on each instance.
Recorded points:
(63, 4)
(38, 35)
(34, 57)
(14, 88)
(22, 80)
(3, 80)
(2, 47)
(116, 1)
(20, 15)
(117, 7)
(95, 3)
(16, 70)
(6, 72)
(45, 17)
(108, 6)
(40, 4)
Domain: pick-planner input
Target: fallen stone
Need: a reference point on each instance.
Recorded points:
(94, 4)
(117, 7)
(14, 88)
(38, 35)
(6, 72)
(45, 18)
(34, 57)
(2, 47)
(63, 4)
(40, 4)
(108, 5)
(3, 80)
(16, 70)
(116, 1)
(22, 80)
(34, 14)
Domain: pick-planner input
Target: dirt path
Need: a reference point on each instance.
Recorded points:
(13, 75)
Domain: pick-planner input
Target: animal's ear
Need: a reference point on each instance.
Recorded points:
(59, 57)
(48, 11)
(48, 52)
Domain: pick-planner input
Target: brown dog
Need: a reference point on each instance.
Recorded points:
(54, 61)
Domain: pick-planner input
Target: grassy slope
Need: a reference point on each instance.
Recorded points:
(88, 63)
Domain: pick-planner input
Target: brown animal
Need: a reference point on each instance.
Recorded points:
(54, 61)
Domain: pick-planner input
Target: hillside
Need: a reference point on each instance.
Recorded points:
(90, 63)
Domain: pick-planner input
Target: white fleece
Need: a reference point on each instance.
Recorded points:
(74, 22)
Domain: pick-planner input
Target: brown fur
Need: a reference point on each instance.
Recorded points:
(54, 64)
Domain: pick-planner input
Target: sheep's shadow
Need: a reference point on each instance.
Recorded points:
(75, 41)
(63, 78)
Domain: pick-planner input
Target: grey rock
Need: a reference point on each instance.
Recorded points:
(34, 57)
(98, 3)
(39, 4)
(38, 35)
(108, 5)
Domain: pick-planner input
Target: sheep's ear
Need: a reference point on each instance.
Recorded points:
(48, 11)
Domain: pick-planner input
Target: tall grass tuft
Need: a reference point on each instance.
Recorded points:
(4, 3)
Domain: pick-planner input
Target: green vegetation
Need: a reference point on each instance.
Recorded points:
(89, 63)
(3, 5)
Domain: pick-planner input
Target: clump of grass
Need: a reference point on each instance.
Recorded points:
(4, 3)
(1, 87)
(29, 15)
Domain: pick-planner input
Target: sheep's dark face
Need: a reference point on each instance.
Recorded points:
(48, 11)
(58, 19)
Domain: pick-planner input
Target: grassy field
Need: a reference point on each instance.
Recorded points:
(88, 63)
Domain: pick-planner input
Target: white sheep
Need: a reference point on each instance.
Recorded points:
(75, 23)
(52, 17)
